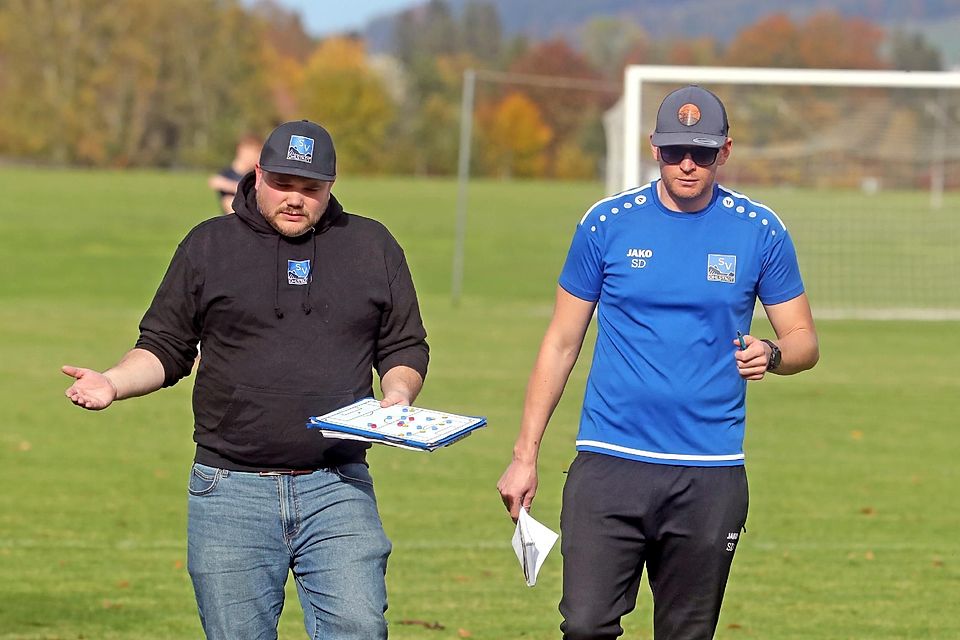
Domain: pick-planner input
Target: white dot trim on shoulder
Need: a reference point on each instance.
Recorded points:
(765, 222)
(728, 202)
(616, 197)
(759, 205)
(773, 232)
(627, 205)
(593, 228)
(753, 214)
(604, 219)
(614, 210)
(640, 199)
(740, 209)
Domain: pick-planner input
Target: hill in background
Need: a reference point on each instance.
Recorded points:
(937, 20)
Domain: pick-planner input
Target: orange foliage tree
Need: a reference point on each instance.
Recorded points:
(694, 51)
(826, 40)
(568, 112)
(772, 41)
(830, 41)
(516, 137)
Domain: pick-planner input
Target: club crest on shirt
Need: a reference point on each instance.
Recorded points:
(298, 271)
(721, 268)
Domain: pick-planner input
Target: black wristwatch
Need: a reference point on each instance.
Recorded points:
(775, 355)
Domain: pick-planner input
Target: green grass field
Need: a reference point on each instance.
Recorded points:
(854, 519)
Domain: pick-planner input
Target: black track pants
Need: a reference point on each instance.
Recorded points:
(618, 515)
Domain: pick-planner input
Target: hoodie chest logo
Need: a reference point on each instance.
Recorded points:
(298, 271)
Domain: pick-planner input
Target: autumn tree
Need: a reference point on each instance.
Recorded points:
(435, 47)
(284, 49)
(516, 138)
(135, 83)
(700, 52)
(826, 40)
(772, 41)
(341, 92)
(282, 29)
(566, 111)
(425, 135)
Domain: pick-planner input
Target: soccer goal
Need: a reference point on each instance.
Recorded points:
(863, 167)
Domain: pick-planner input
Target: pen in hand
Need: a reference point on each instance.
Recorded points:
(743, 345)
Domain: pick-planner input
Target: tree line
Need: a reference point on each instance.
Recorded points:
(174, 84)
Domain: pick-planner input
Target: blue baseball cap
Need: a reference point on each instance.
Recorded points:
(691, 116)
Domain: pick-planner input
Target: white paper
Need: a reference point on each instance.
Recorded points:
(532, 542)
(340, 435)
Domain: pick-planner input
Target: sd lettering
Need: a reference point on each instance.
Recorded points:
(639, 257)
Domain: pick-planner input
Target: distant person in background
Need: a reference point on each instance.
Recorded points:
(673, 270)
(226, 180)
(294, 302)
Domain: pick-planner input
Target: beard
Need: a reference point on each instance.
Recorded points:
(273, 218)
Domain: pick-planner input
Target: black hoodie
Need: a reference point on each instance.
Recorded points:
(279, 347)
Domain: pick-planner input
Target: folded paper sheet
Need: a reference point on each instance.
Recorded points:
(532, 541)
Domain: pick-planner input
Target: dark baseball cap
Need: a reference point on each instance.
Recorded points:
(300, 148)
(691, 116)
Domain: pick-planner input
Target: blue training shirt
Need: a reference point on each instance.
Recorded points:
(673, 289)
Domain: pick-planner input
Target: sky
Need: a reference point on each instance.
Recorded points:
(322, 17)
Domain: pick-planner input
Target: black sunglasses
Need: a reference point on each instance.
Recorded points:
(702, 156)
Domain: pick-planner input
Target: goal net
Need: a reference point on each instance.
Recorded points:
(862, 166)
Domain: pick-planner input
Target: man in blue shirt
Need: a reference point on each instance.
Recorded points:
(673, 270)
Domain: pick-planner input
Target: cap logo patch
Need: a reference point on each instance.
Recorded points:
(689, 114)
(300, 149)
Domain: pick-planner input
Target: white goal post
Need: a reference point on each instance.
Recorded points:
(636, 75)
(863, 165)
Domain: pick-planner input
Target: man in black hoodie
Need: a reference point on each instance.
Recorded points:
(294, 303)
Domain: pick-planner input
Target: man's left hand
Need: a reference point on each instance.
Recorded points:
(752, 361)
(395, 397)
(400, 385)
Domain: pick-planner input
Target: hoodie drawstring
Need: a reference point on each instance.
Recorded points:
(310, 276)
(276, 282)
(305, 305)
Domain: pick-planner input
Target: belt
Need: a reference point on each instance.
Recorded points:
(288, 472)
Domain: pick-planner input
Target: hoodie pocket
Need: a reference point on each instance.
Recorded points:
(268, 428)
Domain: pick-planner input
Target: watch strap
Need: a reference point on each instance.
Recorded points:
(774, 361)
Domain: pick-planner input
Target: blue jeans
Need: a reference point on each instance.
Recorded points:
(246, 532)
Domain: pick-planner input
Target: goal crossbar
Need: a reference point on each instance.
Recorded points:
(636, 75)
